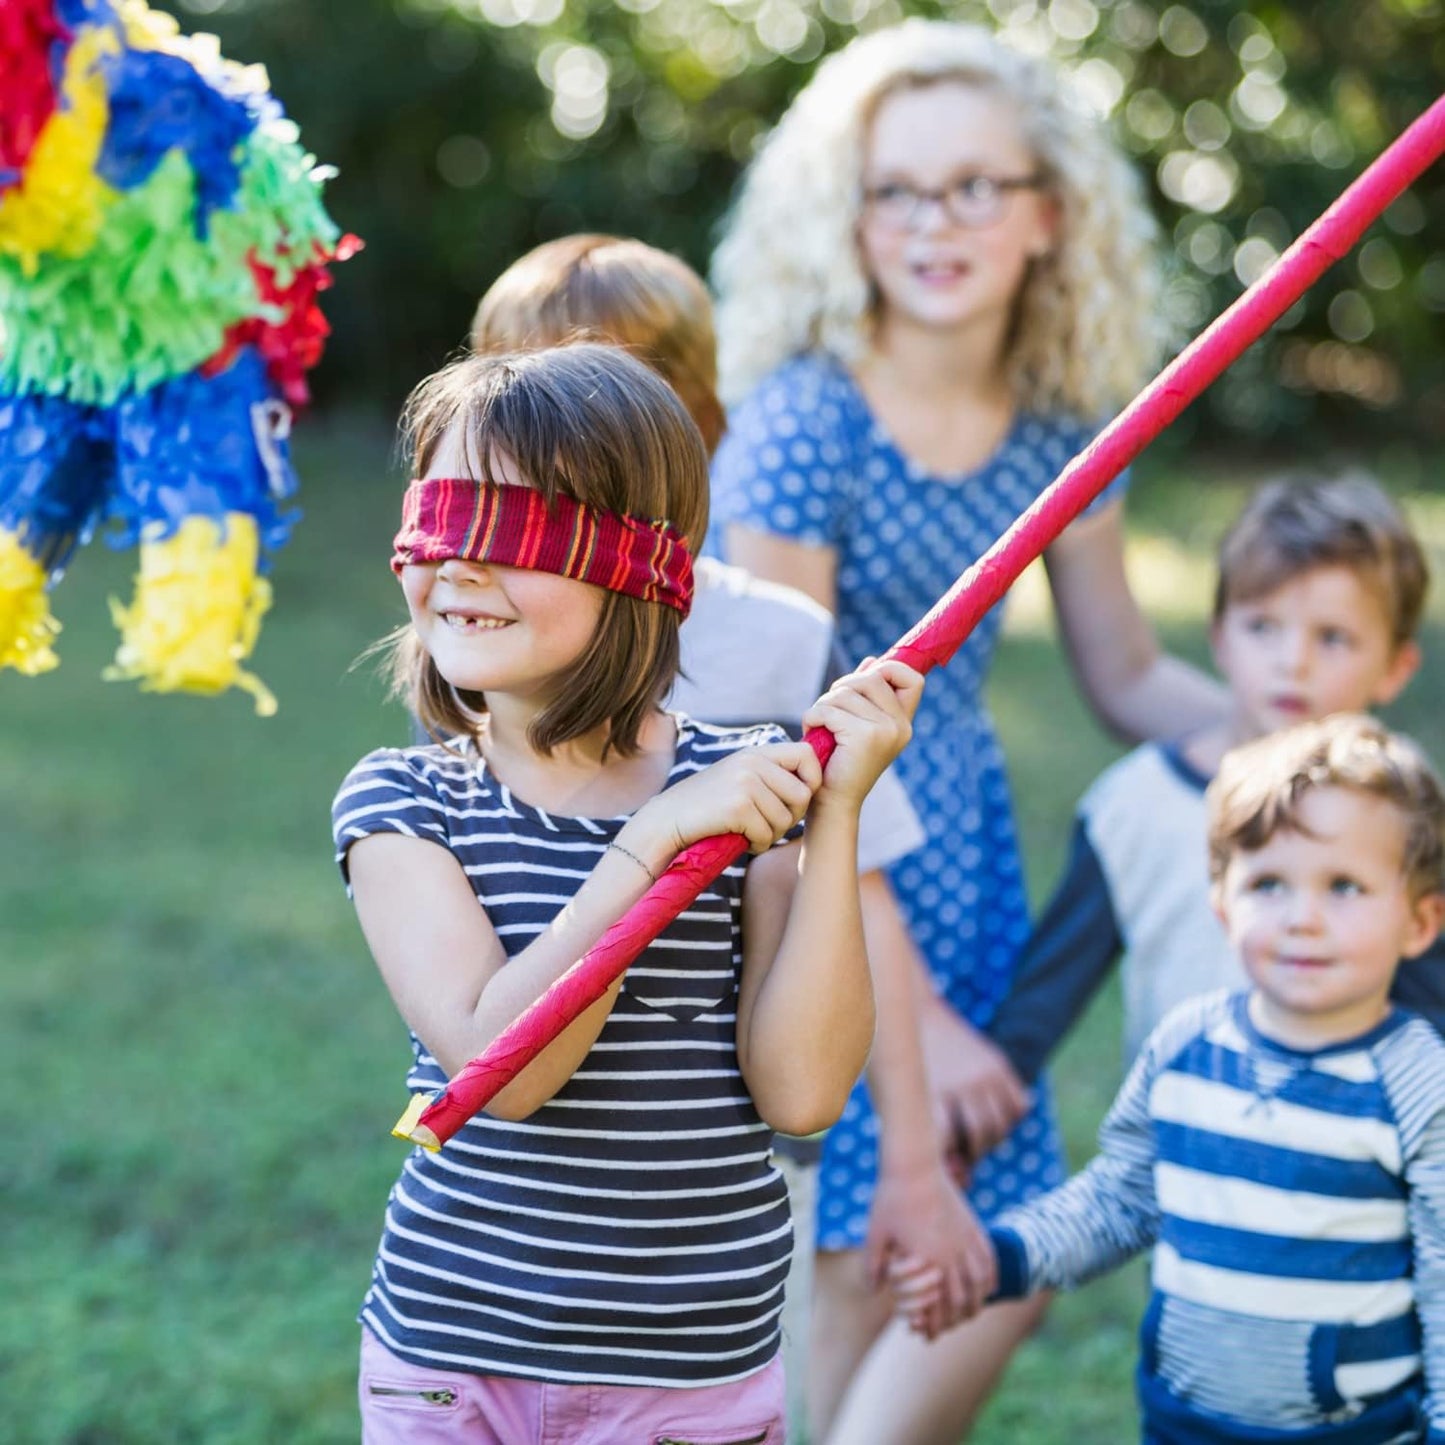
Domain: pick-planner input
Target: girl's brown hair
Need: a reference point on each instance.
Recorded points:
(607, 289)
(590, 422)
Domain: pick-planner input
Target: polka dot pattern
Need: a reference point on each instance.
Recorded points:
(805, 459)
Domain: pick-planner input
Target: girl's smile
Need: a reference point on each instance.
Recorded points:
(494, 629)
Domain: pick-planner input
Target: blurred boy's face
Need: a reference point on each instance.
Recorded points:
(1321, 918)
(1318, 644)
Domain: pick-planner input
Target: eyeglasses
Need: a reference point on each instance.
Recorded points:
(971, 201)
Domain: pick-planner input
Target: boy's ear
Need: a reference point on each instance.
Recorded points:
(1216, 902)
(1428, 918)
(1403, 666)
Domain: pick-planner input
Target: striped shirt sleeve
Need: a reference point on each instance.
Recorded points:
(1412, 1064)
(1109, 1212)
(386, 792)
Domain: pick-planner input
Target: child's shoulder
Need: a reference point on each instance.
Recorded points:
(701, 744)
(708, 742)
(428, 770)
(1206, 1014)
(723, 586)
(750, 649)
(1142, 779)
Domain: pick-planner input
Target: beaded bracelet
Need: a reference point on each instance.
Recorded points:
(627, 853)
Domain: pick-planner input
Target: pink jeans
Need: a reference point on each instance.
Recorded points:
(403, 1404)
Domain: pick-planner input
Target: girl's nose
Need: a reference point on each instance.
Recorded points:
(462, 569)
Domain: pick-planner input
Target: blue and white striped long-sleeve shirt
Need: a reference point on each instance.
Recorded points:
(1295, 1202)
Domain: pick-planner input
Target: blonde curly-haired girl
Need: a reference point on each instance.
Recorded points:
(938, 277)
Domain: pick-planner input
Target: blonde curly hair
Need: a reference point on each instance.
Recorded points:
(788, 272)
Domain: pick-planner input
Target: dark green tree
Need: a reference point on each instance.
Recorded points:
(468, 130)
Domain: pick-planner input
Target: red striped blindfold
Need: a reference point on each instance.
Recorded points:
(511, 526)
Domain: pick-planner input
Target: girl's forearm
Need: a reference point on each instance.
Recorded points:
(811, 1027)
(614, 886)
(1165, 700)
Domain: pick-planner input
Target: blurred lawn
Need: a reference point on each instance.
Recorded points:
(202, 1064)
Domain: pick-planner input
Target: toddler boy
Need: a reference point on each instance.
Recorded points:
(1283, 1149)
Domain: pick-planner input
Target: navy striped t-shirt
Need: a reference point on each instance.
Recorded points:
(633, 1230)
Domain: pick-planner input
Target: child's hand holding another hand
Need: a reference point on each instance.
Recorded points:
(919, 1289)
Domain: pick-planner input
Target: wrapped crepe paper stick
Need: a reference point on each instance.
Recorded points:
(59, 203)
(934, 640)
(197, 610)
(203, 446)
(28, 31)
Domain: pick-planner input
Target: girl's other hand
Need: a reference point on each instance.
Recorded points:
(870, 714)
(977, 1096)
(760, 793)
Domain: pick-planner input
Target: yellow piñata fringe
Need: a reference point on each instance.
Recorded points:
(26, 626)
(197, 611)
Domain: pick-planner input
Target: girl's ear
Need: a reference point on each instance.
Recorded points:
(1046, 237)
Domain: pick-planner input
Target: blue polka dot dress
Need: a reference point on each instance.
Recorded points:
(804, 459)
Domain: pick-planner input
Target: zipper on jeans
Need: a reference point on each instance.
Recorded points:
(679, 1440)
(444, 1396)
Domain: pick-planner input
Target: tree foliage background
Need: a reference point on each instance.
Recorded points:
(468, 130)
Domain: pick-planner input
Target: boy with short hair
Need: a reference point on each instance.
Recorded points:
(1283, 1149)
(1320, 590)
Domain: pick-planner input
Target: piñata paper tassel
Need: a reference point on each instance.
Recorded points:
(197, 611)
(27, 628)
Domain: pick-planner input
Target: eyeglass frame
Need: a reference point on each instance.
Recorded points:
(1004, 185)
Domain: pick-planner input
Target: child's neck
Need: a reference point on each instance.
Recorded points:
(941, 396)
(961, 363)
(578, 778)
(1315, 1031)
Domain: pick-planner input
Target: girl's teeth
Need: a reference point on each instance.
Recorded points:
(475, 624)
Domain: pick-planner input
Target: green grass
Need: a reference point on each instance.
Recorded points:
(200, 1064)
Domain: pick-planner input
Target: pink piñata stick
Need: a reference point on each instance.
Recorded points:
(939, 635)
